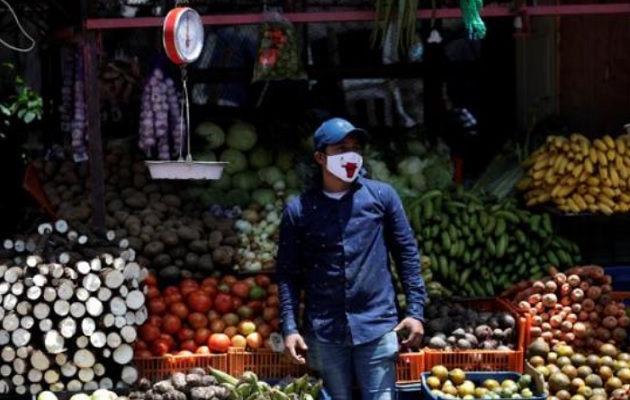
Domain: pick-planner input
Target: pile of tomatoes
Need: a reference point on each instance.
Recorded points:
(208, 316)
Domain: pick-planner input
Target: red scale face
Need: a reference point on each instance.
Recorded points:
(183, 35)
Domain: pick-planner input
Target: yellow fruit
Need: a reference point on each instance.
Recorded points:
(440, 372)
(600, 144)
(621, 145)
(601, 158)
(540, 163)
(589, 198)
(579, 201)
(625, 197)
(592, 155)
(623, 207)
(592, 181)
(457, 376)
(610, 143)
(606, 191)
(623, 171)
(433, 382)
(540, 174)
(605, 209)
(573, 206)
(611, 154)
(577, 171)
(614, 176)
(594, 190)
(588, 165)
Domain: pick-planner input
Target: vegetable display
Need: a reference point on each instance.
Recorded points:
(578, 175)
(250, 387)
(575, 306)
(479, 247)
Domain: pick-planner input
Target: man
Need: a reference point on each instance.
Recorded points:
(335, 242)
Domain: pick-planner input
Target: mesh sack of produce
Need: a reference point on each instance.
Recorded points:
(278, 51)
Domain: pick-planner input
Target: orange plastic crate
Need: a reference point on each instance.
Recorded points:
(409, 367)
(265, 363)
(156, 368)
(483, 360)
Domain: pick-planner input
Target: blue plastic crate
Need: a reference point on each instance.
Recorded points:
(477, 378)
(409, 391)
(620, 277)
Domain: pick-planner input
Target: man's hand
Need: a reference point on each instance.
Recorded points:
(415, 329)
(294, 343)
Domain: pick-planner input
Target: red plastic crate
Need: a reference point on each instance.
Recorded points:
(265, 363)
(156, 368)
(409, 367)
(483, 360)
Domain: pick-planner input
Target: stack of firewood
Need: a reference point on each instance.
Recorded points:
(70, 302)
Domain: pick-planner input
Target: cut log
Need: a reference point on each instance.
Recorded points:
(17, 288)
(18, 380)
(83, 267)
(66, 289)
(114, 340)
(70, 274)
(45, 324)
(20, 337)
(74, 385)
(34, 293)
(68, 327)
(104, 294)
(106, 353)
(57, 270)
(27, 322)
(90, 386)
(24, 308)
(51, 376)
(108, 259)
(108, 320)
(61, 359)
(98, 339)
(110, 235)
(99, 369)
(19, 366)
(7, 244)
(123, 354)
(19, 246)
(94, 307)
(128, 334)
(61, 226)
(82, 342)
(77, 310)
(11, 322)
(5, 370)
(41, 311)
(82, 294)
(5, 337)
(86, 374)
(120, 321)
(24, 352)
(128, 255)
(61, 307)
(3, 269)
(49, 294)
(4, 288)
(72, 236)
(40, 361)
(118, 306)
(141, 316)
(31, 246)
(119, 264)
(8, 354)
(28, 282)
(135, 299)
(20, 389)
(91, 282)
(69, 257)
(69, 369)
(123, 291)
(130, 318)
(96, 265)
(13, 274)
(35, 375)
(9, 301)
(112, 278)
(84, 358)
(54, 342)
(82, 240)
(33, 261)
(123, 244)
(129, 374)
(106, 383)
(57, 387)
(35, 388)
(88, 326)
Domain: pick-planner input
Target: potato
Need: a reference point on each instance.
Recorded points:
(198, 246)
(188, 234)
(169, 238)
(137, 202)
(205, 263)
(172, 200)
(153, 249)
(162, 260)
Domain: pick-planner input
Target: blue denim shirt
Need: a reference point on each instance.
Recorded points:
(337, 251)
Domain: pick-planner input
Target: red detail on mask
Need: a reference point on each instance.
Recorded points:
(350, 168)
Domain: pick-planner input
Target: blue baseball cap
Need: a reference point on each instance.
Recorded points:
(334, 131)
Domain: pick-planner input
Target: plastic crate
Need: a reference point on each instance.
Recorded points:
(265, 363)
(156, 368)
(483, 360)
(409, 367)
(478, 377)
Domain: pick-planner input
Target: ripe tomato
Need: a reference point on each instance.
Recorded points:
(149, 332)
(230, 331)
(153, 292)
(256, 306)
(264, 330)
(154, 320)
(270, 313)
(189, 345)
(171, 324)
(272, 301)
(185, 334)
(156, 306)
(202, 335)
(275, 325)
(180, 309)
(197, 320)
(210, 290)
(140, 345)
(229, 279)
(173, 298)
(143, 353)
(159, 348)
(168, 339)
(188, 285)
(273, 289)
(210, 280)
(199, 301)
(150, 280)
(239, 341)
(169, 290)
(240, 289)
(223, 303)
(217, 325)
(263, 280)
(202, 350)
(254, 340)
(219, 342)
(236, 302)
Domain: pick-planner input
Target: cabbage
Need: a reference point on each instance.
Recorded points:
(410, 166)
(236, 159)
(237, 197)
(271, 175)
(260, 157)
(212, 133)
(241, 136)
(264, 196)
(225, 182)
(284, 160)
(293, 180)
(378, 170)
(416, 147)
(246, 180)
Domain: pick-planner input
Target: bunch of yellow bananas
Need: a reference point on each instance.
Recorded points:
(580, 175)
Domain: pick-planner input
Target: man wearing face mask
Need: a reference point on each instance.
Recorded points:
(335, 243)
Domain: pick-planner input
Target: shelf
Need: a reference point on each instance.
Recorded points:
(353, 16)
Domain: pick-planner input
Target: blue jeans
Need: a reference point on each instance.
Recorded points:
(373, 364)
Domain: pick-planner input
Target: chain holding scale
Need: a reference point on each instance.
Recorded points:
(183, 39)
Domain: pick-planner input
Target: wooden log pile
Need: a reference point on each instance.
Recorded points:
(70, 302)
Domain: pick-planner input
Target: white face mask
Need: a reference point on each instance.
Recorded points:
(345, 166)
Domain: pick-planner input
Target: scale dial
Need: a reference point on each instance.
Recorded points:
(183, 35)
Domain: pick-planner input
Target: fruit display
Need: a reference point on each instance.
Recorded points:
(575, 306)
(479, 247)
(248, 386)
(208, 316)
(578, 175)
(597, 374)
(452, 326)
(440, 382)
